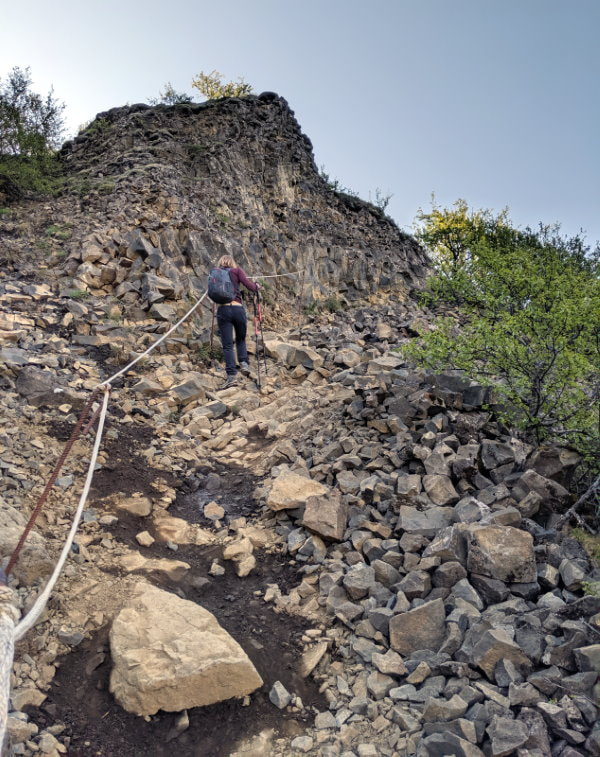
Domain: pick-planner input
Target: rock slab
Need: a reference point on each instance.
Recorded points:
(290, 490)
(170, 654)
(502, 552)
(424, 627)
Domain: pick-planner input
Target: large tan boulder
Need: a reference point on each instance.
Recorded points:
(290, 490)
(171, 654)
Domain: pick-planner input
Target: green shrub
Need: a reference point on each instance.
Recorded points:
(31, 129)
(97, 126)
(335, 185)
(526, 319)
(213, 87)
(106, 187)
(333, 304)
(58, 232)
(169, 96)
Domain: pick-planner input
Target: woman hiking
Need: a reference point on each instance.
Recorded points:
(224, 289)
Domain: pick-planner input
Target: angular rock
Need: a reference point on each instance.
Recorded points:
(502, 552)
(449, 545)
(440, 710)
(416, 584)
(279, 695)
(290, 490)
(588, 658)
(305, 356)
(389, 663)
(409, 485)
(359, 579)
(548, 490)
(440, 490)
(495, 645)
(379, 685)
(446, 743)
(136, 505)
(171, 654)
(348, 358)
(448, 574)
(572, 574)
(426, 522)
(192, 389)
(326, 516)
(424, 627)
(311, 658)
(507, 736)
(556, 463)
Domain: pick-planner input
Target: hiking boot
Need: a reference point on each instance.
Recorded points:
(231, 381)
(245, 369)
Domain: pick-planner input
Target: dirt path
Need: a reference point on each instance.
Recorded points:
(79, 695)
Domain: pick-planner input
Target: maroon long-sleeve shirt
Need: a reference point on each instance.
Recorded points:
(238, 276)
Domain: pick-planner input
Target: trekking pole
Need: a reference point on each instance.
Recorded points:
(212, 328)
(256, 310)
(262, 333)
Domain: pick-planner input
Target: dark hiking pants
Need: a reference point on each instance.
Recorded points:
(232, 318)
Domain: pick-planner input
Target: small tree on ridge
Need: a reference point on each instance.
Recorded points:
(212, 86)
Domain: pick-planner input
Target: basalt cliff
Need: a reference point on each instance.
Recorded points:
(158, 194)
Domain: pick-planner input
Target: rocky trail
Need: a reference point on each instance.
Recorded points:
(379, 547)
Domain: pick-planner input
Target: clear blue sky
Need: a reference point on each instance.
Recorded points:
(495, 101)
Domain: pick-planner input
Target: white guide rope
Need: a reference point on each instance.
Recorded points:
(9, 632)
(8, 617)
(30, 619)
(276, 275)
(154, 345)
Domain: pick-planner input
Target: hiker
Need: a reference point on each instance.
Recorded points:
(231, 314)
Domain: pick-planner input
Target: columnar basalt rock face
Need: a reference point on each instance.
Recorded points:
(174, 188)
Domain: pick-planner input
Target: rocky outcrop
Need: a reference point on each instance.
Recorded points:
(171, 654)
(171, 189)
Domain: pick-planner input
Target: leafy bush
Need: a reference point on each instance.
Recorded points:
(95, 126)
(169, 96)
(382, 199)
(526, 319)
(31, 129)
(212, 86)
(335, 184)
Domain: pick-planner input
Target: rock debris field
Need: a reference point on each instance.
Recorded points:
(359, 561)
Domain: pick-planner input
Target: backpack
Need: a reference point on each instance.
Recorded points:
(220, 286)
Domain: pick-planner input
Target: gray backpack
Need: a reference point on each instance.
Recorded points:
(220, 286)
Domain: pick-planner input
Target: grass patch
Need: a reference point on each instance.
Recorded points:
(58, 232)
(589, 542)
